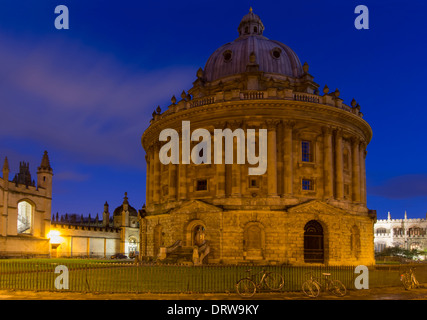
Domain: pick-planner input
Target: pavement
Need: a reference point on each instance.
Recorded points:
(386, 293)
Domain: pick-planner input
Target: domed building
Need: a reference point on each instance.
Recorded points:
(309, 204)
(101, 237)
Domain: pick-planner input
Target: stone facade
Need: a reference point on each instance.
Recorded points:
(25, 211)
(96, 238)
(404, 233)
(308, 207)
(27, 228)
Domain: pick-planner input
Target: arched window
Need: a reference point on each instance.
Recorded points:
(157, 239)
(415, 246)
(355, 242)
(313, 242)
(398, 231)
(253, 237)
(199, 235)
(25, 217)
(132, 245)
(253, 241)
(381, 231)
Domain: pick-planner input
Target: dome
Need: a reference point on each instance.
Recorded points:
(132, 211)
(251, 47)
(118, 211)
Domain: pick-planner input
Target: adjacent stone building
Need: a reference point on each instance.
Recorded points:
(25, 211)
(78, 236)
(309, 207)
(27, 228)
(404, 233)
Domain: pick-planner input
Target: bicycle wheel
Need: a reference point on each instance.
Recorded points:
(274, 281)
(415, 282)
(406, 281)
(311, 289)
(337, 288)
(246, 288)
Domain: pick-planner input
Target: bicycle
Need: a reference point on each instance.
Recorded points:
(408, 279)
(312, 286)
(247, 287)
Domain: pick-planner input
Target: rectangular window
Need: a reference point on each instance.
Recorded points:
(202, 185)
(307, 184)
(306, 151)
(253, 183)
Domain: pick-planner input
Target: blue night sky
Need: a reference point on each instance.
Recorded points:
(86, 94)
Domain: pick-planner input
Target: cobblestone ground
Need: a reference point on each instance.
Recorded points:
(388, 293)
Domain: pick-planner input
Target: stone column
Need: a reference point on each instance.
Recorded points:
(172, 182)
(157, 182)
(288, 158)
(362, 152)
(220, 177)
(339, 166)
(272, 157)
(243, 167)
(219, 167)
(143, 237)
(235, 167)
(151, 174)
(327, 163)
(355, 177)
(147, 179)
(182, 185)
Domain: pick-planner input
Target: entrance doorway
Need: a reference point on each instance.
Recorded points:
(313, 242)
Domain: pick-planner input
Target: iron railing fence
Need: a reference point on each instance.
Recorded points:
(108, 277)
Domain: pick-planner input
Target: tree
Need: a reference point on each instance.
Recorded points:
(399, 252)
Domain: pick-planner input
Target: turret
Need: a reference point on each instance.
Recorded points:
(125, 213)
(44, 175)
(6, 170)
(106, 215)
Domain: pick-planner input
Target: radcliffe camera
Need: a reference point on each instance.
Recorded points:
(212, 159)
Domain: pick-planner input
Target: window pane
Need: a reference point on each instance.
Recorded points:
(307, 184)
(24, 217)
(202, 185)
(306, 151)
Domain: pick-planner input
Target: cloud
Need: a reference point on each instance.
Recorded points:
(71, 176)
(78, 100)
(401, 187)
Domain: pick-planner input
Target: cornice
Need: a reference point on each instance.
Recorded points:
(264, 108)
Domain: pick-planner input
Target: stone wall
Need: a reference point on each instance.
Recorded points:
(347, 237)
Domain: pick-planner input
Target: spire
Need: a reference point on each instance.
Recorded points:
(125, 199)
(406, 216)
(6, 165)
(389, 216)
(45, 164)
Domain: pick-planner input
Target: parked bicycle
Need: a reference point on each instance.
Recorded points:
(247, 287)
(409, 280)
(313, 285)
